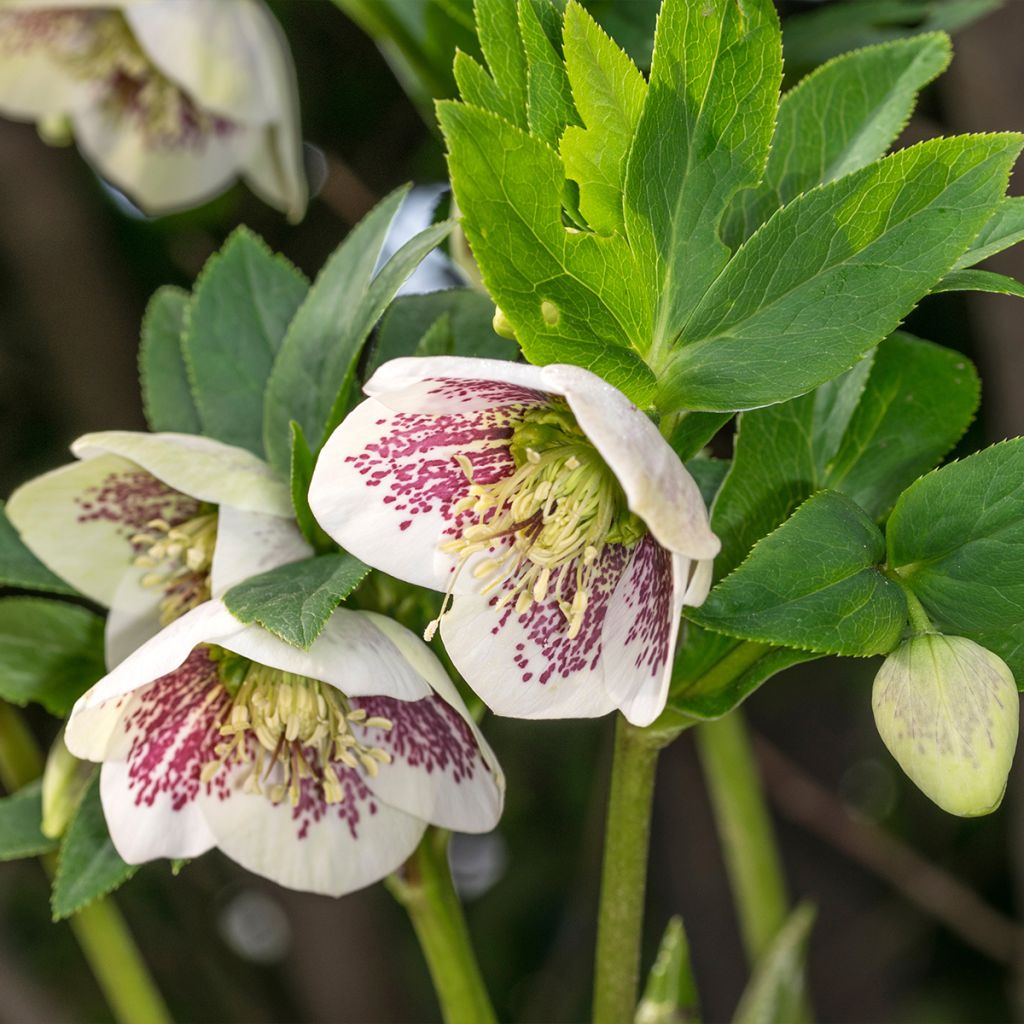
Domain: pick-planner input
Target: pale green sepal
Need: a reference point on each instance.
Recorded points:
(947, 709)
(65, 781)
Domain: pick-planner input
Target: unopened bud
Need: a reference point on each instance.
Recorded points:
(65, 781)
(947, 709)
(502, 327)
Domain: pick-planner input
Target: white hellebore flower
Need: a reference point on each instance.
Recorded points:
(948, 711)
(151, 525)
(547, 506)
(318, 769)
(171, 100)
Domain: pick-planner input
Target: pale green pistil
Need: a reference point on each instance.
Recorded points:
(559, 509)
(299, 724)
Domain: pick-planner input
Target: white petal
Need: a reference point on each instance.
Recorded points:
(525, 666)
(162, 176)
(275, 169)
(699, 586)
(134, 616)
(437, 772)
(150, 781)
(640, 631)
(226, 56)
(657, 486)
(249, 543)
(199, 466)
(453, 384)
(79, 519)
(330, 849)
(32, 86)
(386, 482)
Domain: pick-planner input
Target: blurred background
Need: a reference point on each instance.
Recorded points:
(921, 915)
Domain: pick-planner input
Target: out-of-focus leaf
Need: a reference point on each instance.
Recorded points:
(166, 392)
(20, 817)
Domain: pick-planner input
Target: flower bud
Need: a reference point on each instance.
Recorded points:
(502, 326)
(947, 709)
(65, 781)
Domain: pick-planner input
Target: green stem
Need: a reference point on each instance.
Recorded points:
(624, 876)
(745, 829)
(100, 930)
(426, 891)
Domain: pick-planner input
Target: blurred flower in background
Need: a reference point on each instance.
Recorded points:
(170, 100)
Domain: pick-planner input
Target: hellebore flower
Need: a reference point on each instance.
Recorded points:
(947, 709)
(150, 525)
(561, 526)
(318, 769)
(170, 100)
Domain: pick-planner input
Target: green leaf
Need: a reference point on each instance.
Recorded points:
(20, 818)
(714, 673)
(778, 985)
(703, 135)
(469, 315)
(956, 539)
(497, 25)
(477, 87)
(694, 430)
(320, 353)
(709, 474)
(295, 601)
(299, 477)
(670, 995)
(834, 272)
(838, 120)
(549, 104)
(819, 35)
(570, 296)
(20, 568)
(814, 584)
(166, 393)
(868, 434)
(609, 94)
(50, 652)
(88, 867)
(1004, 228)
(243, 301)
(979, 281)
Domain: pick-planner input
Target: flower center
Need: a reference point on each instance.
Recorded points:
(179, 559)
(544, 524)
(99, 47)
(299, 726)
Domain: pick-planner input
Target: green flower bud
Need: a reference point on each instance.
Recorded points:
(947, 709)
(65, 781)
(502, 326)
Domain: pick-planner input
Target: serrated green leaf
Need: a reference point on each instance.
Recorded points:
(979, 281)
(834, 272)
(20, 568)
(1004, 228)
(20, 818)
(569, 296)
(715, 673)
(670, 995)
(609, 92)
(241, 307)
(819, 35)
(299, 477)
(815, 584)
(50, 652)
(295, 601)
(956, 539)
(318, 359)
(469, 315)
(779, 983)
(497, 26)
(703, 135)
(837, 120)
(88, 867)
(549, 104)
(166, 393)
(477, 87)
(868, 434)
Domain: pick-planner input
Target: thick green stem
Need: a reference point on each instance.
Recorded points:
(745, 829)
(624, 876)
(426, 891)
(100, 930)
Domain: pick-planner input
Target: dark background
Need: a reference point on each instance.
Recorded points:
(918, 911)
